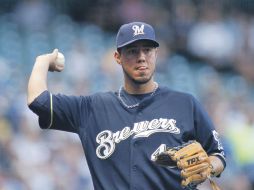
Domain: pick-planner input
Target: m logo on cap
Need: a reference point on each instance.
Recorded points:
(138, 30)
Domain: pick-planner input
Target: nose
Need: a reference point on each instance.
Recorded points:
(141, 55)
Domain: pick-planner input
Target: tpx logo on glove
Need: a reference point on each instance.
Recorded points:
(193, 160)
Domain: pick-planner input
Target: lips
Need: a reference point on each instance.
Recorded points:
(141, 68)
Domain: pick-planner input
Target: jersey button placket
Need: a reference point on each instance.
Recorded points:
(134, 169)
(134, 177)
(135, 145)
(133, 165)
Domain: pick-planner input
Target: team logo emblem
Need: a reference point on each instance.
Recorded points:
(108, 140)
(138, 29)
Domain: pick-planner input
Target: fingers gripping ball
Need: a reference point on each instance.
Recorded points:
(56, 61)
(59, 62)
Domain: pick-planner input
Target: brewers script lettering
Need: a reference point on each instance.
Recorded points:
(107, 139)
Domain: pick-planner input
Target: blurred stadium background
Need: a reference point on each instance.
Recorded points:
(207, 49)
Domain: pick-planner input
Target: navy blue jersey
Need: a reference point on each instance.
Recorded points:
(119, 141)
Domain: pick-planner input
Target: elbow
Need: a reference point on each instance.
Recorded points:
(31, 98)
(29, 101)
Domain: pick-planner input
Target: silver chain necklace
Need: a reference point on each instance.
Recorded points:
(137, 104)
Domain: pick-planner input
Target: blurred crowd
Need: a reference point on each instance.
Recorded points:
(206, 49)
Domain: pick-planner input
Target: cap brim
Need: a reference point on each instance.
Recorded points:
(134, 40)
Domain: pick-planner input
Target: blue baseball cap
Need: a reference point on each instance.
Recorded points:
(134, 31)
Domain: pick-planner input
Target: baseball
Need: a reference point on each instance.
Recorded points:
(60, 60)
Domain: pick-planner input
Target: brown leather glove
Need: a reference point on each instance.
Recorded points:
(191, 159)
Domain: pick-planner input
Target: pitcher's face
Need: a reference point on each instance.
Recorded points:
(138, 61)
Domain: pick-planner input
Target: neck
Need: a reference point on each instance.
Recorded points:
(135, 88)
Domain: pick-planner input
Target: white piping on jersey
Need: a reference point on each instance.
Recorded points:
(107, 139)
(51, 111)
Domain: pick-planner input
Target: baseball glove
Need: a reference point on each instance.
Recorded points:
(191, 159)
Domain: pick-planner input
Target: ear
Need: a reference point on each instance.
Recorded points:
(117, 57)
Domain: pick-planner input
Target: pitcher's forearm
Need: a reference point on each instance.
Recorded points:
(38, 80)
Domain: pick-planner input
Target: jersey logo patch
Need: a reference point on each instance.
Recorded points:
(138, 29)
(107, 140)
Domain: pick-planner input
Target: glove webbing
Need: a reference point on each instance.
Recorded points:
(181, 146)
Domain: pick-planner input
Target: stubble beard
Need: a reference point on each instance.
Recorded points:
(137, 81)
